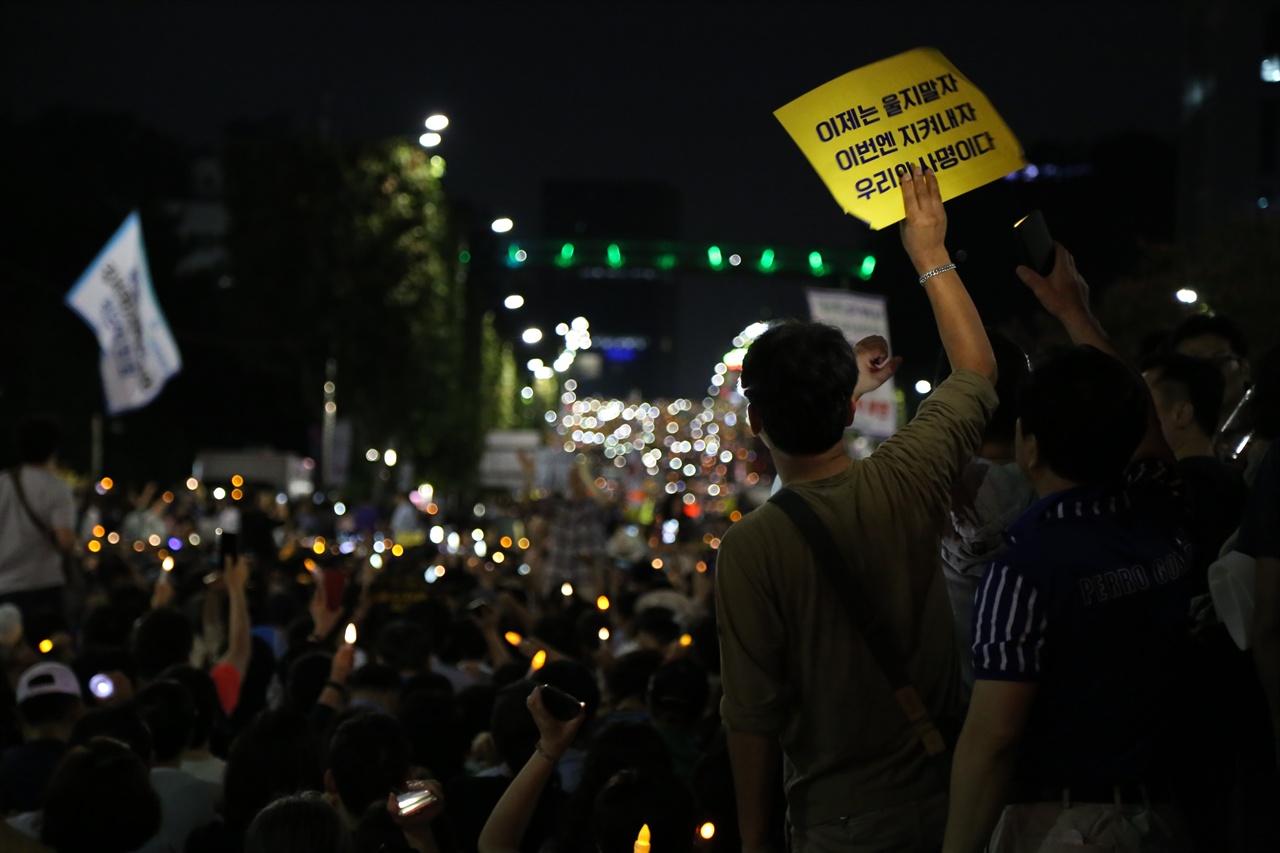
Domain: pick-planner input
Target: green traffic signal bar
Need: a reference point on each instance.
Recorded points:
(686, 257)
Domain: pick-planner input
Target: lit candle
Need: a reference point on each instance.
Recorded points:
(539, 658)
(642, 840)
(604, 634)
(602, 603)
(349, 636)
(513, 638)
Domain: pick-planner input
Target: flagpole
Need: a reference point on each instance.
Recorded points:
(329, 425)
(95, 448)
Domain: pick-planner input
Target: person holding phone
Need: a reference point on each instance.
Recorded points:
(558, 717)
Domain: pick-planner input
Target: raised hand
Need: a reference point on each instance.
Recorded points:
(924, 230)
(235, 573)
(556, 735)
(416, 822)
(875, 367)
(325, 620)
(1064, 294)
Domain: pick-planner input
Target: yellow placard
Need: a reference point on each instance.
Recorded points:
(861, 130)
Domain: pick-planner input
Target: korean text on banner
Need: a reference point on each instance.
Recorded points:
(859, 315)
(861, 130)
(114, 296)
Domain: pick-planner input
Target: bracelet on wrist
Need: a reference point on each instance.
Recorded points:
(338, 686)
(537, 747)
(939, 271)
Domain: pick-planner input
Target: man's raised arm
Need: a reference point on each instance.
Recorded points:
(924, 233)
(1065, 295)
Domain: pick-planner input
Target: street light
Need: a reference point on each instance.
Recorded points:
(1186, 296)
(531, 336)
(437, 122)
(502, 226)
(513, 301)
(429, 140)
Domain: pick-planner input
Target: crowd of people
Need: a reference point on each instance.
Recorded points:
(996, 631)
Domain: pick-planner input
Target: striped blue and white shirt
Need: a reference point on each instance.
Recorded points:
(1090, 602)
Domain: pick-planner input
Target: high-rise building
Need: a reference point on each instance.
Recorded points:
(1230, 147)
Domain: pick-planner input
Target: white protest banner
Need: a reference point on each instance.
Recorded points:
(859, 315)
(114, 296)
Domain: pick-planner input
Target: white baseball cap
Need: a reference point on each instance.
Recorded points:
(45, 678)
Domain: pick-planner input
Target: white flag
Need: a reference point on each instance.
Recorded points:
(859, 315)
(115, 298)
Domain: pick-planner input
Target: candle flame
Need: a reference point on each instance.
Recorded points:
(167, 565)
(604, 634)
(686, 640)
(350, 634)
(707, 831)
(513, 638)
(539, 659)
(602, 603)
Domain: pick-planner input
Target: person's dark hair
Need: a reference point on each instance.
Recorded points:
(475, 709)
(170, 714)
(48, 708)
(280, 609)
(512, 726)
(162, 638)
(431, 722)
(204, 693)
(799, 378)
(276, 755)
(254, 683)
(120, 723)
(1211, 324)
(1195, 380)
(376, 677)
(1087, 411)
(304, 823)
(404, 645)
(633, 799)
(100, 800)
(628, 677)
(38, 437)
(369, 757)
(659, 623)
(559, 631)
(619, 747)
(1012, 365)
(107, 624)
(307, 678)
(679, 691)
(465, 641)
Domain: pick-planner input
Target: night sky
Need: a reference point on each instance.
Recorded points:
(678, 92)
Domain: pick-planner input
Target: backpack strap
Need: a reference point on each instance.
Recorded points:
(866, 622)
(45, 530)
